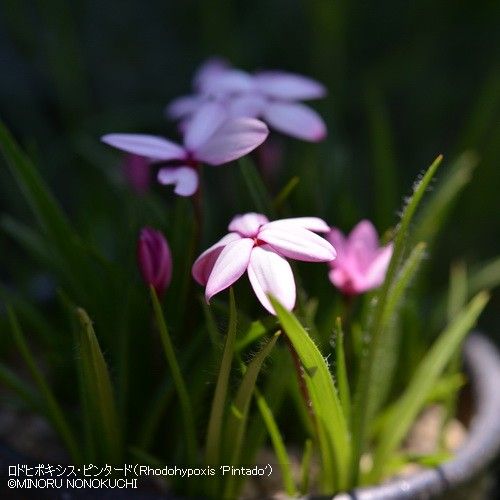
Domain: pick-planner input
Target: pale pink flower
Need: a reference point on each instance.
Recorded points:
(261, 247)
(154, 259)
(361, 263)
(270, 95)
(209, 138)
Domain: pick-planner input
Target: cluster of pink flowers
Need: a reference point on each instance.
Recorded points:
(259, 247)
(221, 124)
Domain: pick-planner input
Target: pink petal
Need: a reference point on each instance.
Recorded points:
(149, 146)
(312, 223)
(184, 106)
(204, 122)
(250, 106)
(378, 268)
(185, 179)
(229, 266)
(204, 264)
(364, 233)
(248, 224)
(289, 86)
(270, 273)
(337, 239)
(296, 120)
(211, 68)
(233, 139)
(297, 243)
(228, 81)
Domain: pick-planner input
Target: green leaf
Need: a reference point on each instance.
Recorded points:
(98, 393)
(421, 384)
(305, 467)
(256, 187)
(341, 370)
(10, 380)
(179, 382)
(278, 444)
(213, 445)
(485, 276)
(365, 398)
(50, 405)
(285, 193)
(331, 427)
(237, 420)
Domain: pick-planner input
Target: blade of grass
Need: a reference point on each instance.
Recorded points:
(305, 467)
(278, 444)
(331, 427)
(341, 371)
(284, 194)
(10, 380)
(238, 416)
(365, 400)
(179, 382)
(51, 406)
(424, 379)
(98, 392)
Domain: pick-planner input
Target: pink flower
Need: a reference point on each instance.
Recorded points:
(154, 259)
(361, 263)
(136, 170)
(260, 247)
(209, 138)
(269, 95)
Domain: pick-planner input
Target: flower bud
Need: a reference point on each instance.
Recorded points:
(154, 259)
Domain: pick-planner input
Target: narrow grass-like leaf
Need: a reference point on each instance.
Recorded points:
(305, 467)
(428, 372)
(278, 443)
(255, 331)
(284, 194)
(434, 212)
(341, 370)
(331, 427)
(237, 420)
(10, 380)
(179, 382)
(98, 392)
(51, 406)
(256, 187)
(485, 276)
(213, 445)
(365, 398)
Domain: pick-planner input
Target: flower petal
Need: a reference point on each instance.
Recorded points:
(311, 223)
(229, 266)
(184, 178)
(365, 234)
(296, 120)
(233, 139)
(204, 264)
(270, 273)
(211, 68)
(184, 106)
(204, 122)
(149, 146)
(250, 106)
(289, 86)
(376, 273)
(248, 224)
(228, 81)
(297, 243)
(338, 240)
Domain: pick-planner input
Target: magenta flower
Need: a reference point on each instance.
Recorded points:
(361, 263)
(209, 138)
(270, 95)
(261, 247)
(154, 259)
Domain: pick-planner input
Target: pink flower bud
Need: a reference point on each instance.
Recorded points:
(154, 259)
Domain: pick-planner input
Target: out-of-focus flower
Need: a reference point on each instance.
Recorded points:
(261, 247)
(361, 263)
(136, 170)
(154, 259)
(209, 138)
(270, 95)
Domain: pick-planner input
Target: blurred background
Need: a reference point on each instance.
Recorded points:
(407, 81)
